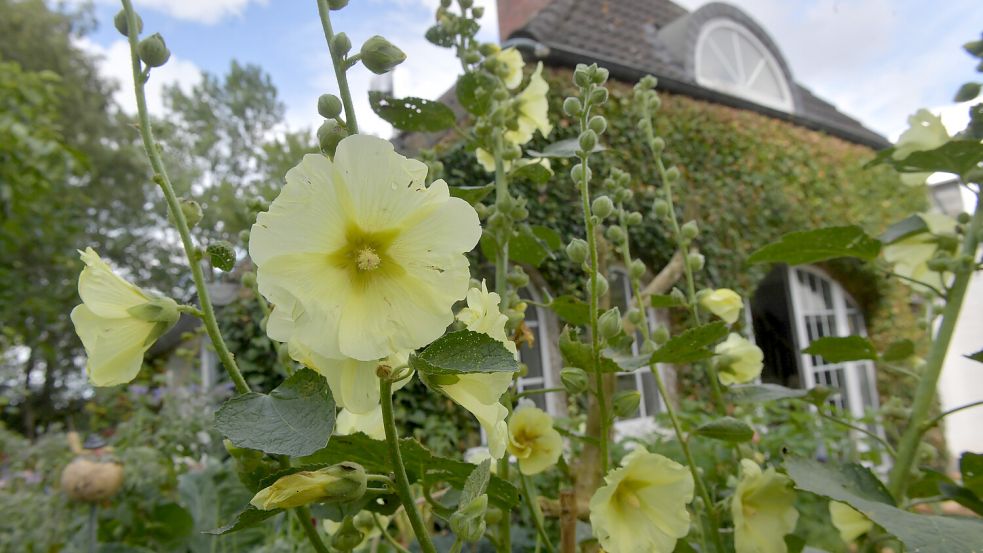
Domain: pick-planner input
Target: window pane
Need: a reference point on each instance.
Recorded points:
(650, 393)
(620, 290)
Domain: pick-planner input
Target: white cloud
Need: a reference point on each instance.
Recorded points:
(114, 64)
(207, 12)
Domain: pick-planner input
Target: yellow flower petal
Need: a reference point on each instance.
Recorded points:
(479, 393)
(105, 292)
(533, 110)
(740, 360)
(482, 315)
(724, 303)
(114, 346)
(512, 59)
(533, 440)
(369, 423)
(850, 522)
(763, 508)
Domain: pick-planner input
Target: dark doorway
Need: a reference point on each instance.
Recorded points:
(771, 316)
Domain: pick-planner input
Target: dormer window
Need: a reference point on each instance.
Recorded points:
(729, 58)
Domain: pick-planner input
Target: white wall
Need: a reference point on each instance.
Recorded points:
(962, 378)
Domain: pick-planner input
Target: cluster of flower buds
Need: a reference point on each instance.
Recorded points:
(152, 50)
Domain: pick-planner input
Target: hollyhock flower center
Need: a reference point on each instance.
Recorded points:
(365, 255)
(368, 260)
(625, 496)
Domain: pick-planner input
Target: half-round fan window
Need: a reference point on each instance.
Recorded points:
(729, 58)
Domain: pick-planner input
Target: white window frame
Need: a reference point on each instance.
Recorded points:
(742, 90)
(541, 337)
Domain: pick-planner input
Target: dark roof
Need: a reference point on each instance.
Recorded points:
(633, 38)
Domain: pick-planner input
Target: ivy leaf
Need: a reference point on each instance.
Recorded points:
(691, 345)
(760, 393)
(660, 301)
(904, 228)
(247, 518)
(563, 148)
(899, 351)
(572, 310)
(464, 352)
(471, 194)
(856, 486)
(474, 92)
(838, 349)
(295, 419)
(955, 156)
(412, 114)
(727, 429)
(420, 463)
(811, 246)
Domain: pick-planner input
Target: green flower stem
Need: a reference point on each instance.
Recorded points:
(382, 530)
(338, 61)
(715, 391)
(402, 482)
(928, 425)
(927, 385)
(599, 393)
(528, 393)
(93, 529)
(304, 516)
(534, 511)
(190, 310)
(878, 439)
(160, 177)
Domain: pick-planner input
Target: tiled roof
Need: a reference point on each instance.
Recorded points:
(627, 37)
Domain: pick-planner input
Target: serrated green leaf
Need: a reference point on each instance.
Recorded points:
(471, 194)
(839, 349)
(811, 246)
(898, 351)
(660, 301)
(295, 419)
(563, 148)
(474, 92)
(578, 354)
(904, 228)
(571, 310)
(955, 156)
(247, 518)
(691, 345)
(464, 352)
(412, 114)
(727, 429)
(856, 486)
(759, 393)
(419, 461)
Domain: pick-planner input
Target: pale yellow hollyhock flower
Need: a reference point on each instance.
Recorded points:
(642, 507)
(369, 423)
(763, 510)
(117, 322)
(910, 255)
(337, 483)
(512, 59)
(482, 315)
(739, 361)
(479, 393)
(724, 303)
(533, 109)
(851, 523)
(533, 440)
(359, 257)
(925, 132)
(487, 160)
(354, 384)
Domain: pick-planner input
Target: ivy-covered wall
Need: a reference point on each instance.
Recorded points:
(747, 179)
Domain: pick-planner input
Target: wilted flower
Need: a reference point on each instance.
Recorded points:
(533, 109)
(925, 132)
(763, 510)
(338, 483)
(369, 423)
(512, 60)
(533, 440)
(483, 315)
(851, 523)
(117, 322)
(480, 393)
(739, 361)
(724, 303)
(642, 507)
(911, 254)
(359, 257)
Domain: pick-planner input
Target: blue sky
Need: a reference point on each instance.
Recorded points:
(877, 60)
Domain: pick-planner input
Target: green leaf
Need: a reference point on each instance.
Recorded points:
(476, 483)
(962, 496)
(691, 345)
(471, 194)
(222, 255)
(971, 469)
(899, 351)
(571, 310)
(811, 246)
(536, 173)
(955, 156)
(171, 524)
(474, 91)
(660, 301)
(760, 393)
(795, 544)
(856, 486)
(464, 352)
(438, 35)
(978, 356)
(563, 148)
(412, 114)
(727, 429)
(967, 92)
(530, 245)
(904, 228)
(419, 461)
(578, 354)
(838, 349)
(295, 419)
(625, 361)
(247, 518)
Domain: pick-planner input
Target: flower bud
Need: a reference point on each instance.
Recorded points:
(339, 483)
(690, 230)
(577, 250)
(581, 76)
(602, 207)
(625, 403)
(577, 173)
(602, 285)
(600, 75)
(512, 152)
(587, 140)
(380, 56)
(153, 51)
(337, 4)
(517, 277)
(257, 204)
(634, 218)
(623, 195)
(636, 270)
(658, 144)
(478, 12)
(341, 44)
(672, 174)
(598, 124)
(572, 107)
(489, 48)
(599, 96)
(347, 536)
(660, 208)
(329, 134)
(660, 335)
(329, 106)
(615, 234)
(574, 380)
(192, 211)
(696, 261)
(609, 323)
(121, 25)
(248, 279)
(244, 236)
(649, 347)
(679, 296)
(466, 3)
(468, 522)
(634, 316)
